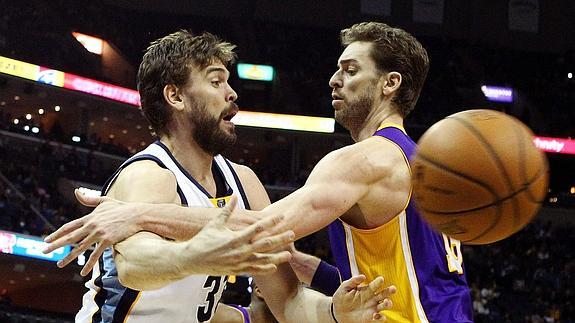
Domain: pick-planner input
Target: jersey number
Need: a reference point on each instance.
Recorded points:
(213, 285)
(454, 256)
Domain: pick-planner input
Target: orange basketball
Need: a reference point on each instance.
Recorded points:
(478, 177)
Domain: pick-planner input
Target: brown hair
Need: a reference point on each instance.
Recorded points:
(394, 49)
(169, 60)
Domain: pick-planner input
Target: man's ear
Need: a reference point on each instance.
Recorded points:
(173, 97)
(391, 83)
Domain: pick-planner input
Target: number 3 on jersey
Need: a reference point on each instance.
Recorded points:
(212, 285)
(454, 256)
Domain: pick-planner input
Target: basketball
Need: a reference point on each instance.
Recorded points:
(478, 177)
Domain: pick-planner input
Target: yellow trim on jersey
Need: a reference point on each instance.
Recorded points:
(132, 307)
(393, 125)
(221, 201)
(380, 252)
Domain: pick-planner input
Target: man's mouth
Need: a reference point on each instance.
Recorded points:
(230, 114)
(336, 96)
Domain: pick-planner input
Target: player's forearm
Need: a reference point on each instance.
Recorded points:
(174, 221)
(305, 212)
(148, 264)
(308, 306)
(290, 301)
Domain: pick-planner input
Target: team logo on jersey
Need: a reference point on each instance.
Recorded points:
(220, 201)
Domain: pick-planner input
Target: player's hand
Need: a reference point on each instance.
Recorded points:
(356, 302)
(111, 222)
(216, 250)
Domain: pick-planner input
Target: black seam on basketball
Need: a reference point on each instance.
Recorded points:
(482, 234)
(460, 174)
(530, 196)
(522, 170)
(471, 179)
(495, 203)
(493, 154)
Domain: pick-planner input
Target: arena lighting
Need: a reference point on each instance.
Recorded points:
(28, 116)
(35, 129)
(27, 128)
(81, 84)
(255, 72)
(570, 75)
(40, 111)
(284, 121)
(497, 93)
(555, 145)
(75, 139)
(16, 121)
(92, 44)
(69, 81)
(29, 246)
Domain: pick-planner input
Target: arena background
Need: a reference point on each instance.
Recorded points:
(54, 136)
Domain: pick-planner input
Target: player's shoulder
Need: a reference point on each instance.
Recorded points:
(145, 176)
(145, 169)
(242, 170)
(375, 151)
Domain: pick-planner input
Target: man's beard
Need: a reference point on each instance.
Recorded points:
(354, 113)
(207, 133)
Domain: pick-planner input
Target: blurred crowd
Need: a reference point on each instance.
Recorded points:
(529, 277)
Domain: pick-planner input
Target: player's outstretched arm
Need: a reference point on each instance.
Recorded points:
(340, 181)
(146, 261)
(113, 221)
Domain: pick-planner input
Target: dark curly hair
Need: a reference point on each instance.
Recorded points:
(169, 60)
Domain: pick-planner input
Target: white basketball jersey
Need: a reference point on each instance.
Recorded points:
(192, 299)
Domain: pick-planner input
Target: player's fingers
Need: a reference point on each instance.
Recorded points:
(257, 270)
(90, 201)
(376, 285)
(352, 283)
(388, 291)
(225, 213)
(73, 255)
(271, 243)
(384, 305)
(269, 222)
(65, 229)
(379, 317)
(71, 238)
(270, 258)
(93, 259)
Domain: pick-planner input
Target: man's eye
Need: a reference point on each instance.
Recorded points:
(216, 83)
(351, 71)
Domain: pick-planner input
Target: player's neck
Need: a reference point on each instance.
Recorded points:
(190, 155)
(374, 121)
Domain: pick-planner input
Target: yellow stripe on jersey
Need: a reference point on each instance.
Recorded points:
(391, 124)
(376, 251)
